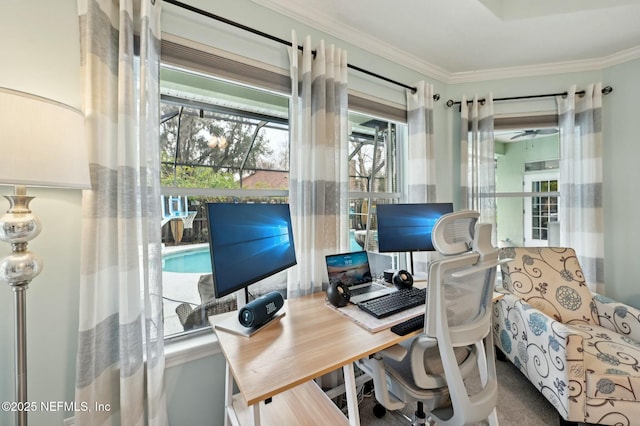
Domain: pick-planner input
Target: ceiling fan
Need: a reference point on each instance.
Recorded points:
(533, 133)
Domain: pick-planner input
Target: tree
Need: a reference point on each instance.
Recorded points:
(200, 149)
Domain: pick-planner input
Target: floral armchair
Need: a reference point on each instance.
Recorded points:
(581, 350)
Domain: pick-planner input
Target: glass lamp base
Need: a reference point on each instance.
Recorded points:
(17, 227)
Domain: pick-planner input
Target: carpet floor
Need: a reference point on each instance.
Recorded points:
(519, 403)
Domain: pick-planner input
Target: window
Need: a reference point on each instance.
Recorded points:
(540, 210)
(527, 176)
(219, 142)
(374, 148)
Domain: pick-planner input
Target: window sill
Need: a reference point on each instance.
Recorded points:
(190, 348)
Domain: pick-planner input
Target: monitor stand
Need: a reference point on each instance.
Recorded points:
(411, 259)
(422, 276)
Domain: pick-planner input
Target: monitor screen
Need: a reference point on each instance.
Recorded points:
(407, 227)
(248, 242)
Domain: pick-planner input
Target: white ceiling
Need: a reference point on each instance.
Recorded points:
(471, 40)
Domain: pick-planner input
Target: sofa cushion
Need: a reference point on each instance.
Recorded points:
(549, 279)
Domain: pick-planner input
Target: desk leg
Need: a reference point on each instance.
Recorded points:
(230, 416)
(228, 393)
(352, 396)
(255, 414)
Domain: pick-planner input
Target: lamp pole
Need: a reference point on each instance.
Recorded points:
(19, 293)
(17, 227)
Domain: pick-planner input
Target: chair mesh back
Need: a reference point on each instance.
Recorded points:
(466, 296)
(462, 282)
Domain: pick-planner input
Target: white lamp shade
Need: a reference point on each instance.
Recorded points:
(41, 142)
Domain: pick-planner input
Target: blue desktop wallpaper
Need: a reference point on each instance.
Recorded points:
(248, 242)
(407, 227)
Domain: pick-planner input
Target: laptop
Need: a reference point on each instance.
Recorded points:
(352, 269)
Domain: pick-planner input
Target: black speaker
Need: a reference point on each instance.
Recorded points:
(388, 275)
(338, 294)
(261, 310)
(402, 279)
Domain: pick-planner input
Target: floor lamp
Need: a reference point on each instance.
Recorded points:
(42, 145)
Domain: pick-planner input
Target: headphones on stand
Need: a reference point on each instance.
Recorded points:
(338, 294)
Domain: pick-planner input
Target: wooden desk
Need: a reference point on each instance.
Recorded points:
(309, 341)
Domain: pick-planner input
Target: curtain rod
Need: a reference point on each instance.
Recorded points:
(436, 97)
(605, 91)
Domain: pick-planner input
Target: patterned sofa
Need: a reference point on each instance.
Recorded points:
(581, 350)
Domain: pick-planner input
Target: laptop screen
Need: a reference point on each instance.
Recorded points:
(348, 268)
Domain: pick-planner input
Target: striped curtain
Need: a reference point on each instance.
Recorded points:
(318, 163)
(422, 167)
(477, 158)
(120, 360)
(580, 213)
(421, 173)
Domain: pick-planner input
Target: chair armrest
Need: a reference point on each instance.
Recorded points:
(374, 366)
(617, 316)
(395, 352)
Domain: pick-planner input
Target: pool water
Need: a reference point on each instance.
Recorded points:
(188, 261)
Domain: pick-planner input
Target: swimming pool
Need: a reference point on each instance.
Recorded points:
(188, 261)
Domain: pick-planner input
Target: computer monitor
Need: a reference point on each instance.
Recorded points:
(407, 227)
(248, 242)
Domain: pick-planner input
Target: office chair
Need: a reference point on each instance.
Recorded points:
(456, 342)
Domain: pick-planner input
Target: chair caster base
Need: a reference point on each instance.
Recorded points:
(420, 422)
(420, 417)
(379, 411)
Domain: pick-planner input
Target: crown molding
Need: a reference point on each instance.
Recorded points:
(547, 69)
(621, 57)
(526, 71)
(327, 24)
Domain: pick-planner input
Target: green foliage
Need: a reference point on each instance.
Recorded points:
(197, 177)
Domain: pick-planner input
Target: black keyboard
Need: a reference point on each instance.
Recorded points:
(395, 302)
(406, 327)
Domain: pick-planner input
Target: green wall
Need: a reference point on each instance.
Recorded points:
(195, 392)
(621, 174)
